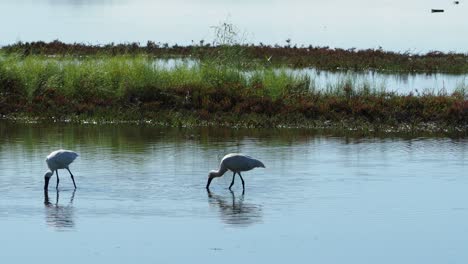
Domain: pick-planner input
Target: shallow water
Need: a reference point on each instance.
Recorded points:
(394, 25)
(401, 83)
(322, 198)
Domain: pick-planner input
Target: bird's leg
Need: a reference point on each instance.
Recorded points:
(56, 172)
(243, 185)
(232, 183)
(73, 179)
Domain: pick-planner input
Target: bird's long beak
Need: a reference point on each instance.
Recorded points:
(46, 197)
(46, 183)
(208, 183)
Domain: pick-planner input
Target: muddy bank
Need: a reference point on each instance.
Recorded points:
(365, 114)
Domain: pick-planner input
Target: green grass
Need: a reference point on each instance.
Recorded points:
(117, 76)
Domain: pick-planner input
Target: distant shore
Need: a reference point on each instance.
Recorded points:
(216, 92)
(287, 55)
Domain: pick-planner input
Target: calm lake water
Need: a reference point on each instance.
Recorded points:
(402, 83)
(322, 198)
(392, 24)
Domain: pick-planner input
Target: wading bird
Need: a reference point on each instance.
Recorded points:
(59, 159)
(235, 163)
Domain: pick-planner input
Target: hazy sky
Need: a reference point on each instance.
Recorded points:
(393, 25)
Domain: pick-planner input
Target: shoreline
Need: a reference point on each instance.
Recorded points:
(192, 120)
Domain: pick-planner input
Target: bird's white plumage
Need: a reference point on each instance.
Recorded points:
(60, 159)
(237, 162)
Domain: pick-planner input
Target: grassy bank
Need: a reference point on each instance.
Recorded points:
(288, 55)
(133, 88)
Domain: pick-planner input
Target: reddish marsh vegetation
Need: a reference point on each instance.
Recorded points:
(319, 57)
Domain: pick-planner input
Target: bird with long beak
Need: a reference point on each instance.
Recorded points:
(59, 159)
(236, 163)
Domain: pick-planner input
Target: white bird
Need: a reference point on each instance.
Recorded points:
(236, 163)
(59, 159)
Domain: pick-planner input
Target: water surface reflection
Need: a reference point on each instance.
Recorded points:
(59, 216)
(235, 212)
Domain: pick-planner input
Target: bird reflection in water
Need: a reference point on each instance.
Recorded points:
(59, 216)
(234, 211)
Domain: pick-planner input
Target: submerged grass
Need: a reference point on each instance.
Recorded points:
(135, 88)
